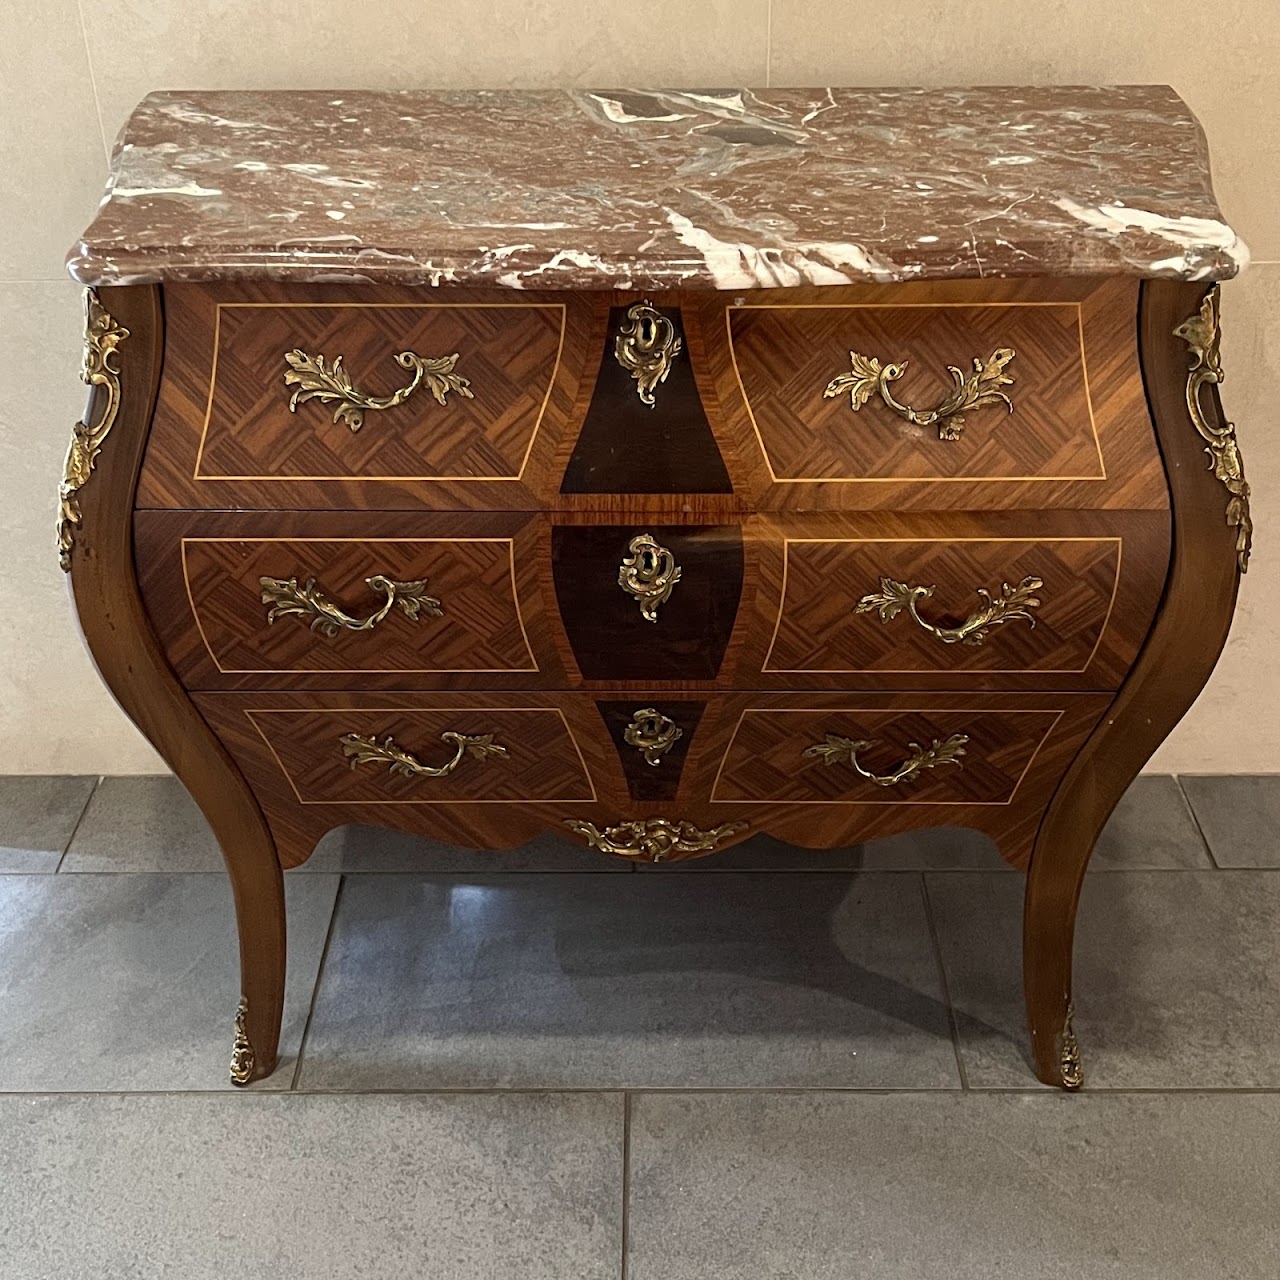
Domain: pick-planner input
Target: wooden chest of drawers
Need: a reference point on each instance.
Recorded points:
(638, 549)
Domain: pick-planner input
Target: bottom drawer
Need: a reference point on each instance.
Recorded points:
(513, 748)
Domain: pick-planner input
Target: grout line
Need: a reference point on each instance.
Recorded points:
(93, 791)
(93, 83)
(315, 988)
(61, 278)
(953, 1020)
(626, 1182)
(768, 44)
(1032, 1089)
(1191, 811)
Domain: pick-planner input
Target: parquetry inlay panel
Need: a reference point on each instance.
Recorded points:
(786, 356)
(819, 630)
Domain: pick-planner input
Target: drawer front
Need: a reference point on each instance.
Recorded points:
(360, 397)
(886, 607)
(957, 395)
(609, 764)
(842, 754)
(809, 381)
(363, 750)
(470, 600)
(327, 601)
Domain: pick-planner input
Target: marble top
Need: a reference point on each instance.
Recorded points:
(653, 189)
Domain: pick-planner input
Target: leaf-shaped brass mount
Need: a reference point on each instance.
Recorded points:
(971, 391)
(313, 378)
(1201, 333)
(360, 749)
(649, 573)
(836, 750)
(654, 839)
(284, 598)
(652, 734)
(242, 1057)
(646, 347)
(1012, 605)
(1069, 1059)
(102, 338)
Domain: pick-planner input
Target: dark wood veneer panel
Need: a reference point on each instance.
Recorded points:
(627, 446)
(647, 781)
(610, 638)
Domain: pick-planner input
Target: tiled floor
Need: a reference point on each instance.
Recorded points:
(772, 1064)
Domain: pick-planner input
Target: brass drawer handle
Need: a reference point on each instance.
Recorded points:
(649, 573)
(286, 598)
(654, 839)
(645, 347)
(1013, 604)
(314, 379)
(652, 734)
(972, 391)
(836, 750)
(360, 749)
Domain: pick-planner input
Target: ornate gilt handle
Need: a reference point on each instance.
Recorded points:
(836, 750)
(646, 347)
(971, 391)
(312, 378)
(649, 573)
(286, 598)
(1013, 604)
(360, 749)
(654, 839)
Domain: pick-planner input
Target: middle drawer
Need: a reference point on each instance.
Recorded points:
(308, 600)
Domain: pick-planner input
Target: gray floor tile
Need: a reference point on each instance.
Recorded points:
(1177, 978)
(37, 818)
(312, 1188)
(131, 982)
(939, 849)
(613, 981)
(378, 849)
(143, 824)
(962, 1186)
(1240, 817)
(1151, 828)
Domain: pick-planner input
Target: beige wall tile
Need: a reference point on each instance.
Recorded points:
(1234, 726)
(55, 714)
(52, 162)
(140, 45)
(1225, 62)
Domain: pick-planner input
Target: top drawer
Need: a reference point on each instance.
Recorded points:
(849, 398)
(355, 397)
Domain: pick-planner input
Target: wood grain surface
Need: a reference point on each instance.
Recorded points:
(1185, 640)
(131, 661)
